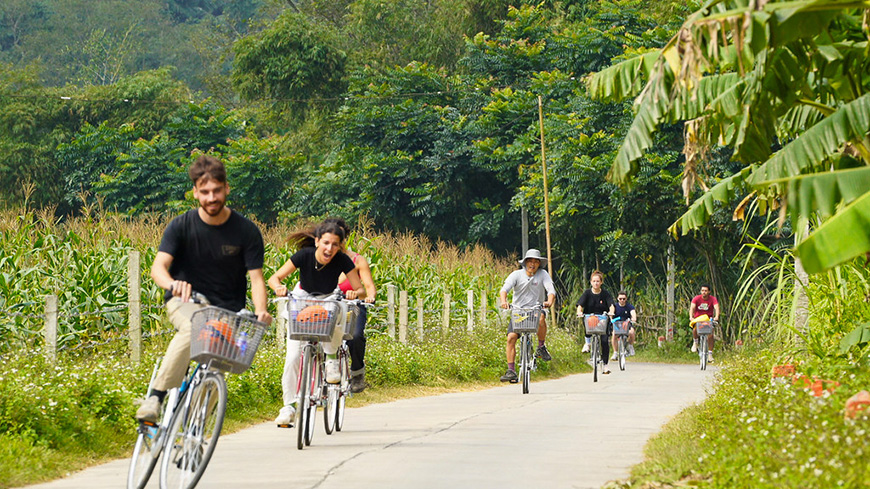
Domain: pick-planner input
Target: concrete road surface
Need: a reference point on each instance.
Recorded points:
(566, 433)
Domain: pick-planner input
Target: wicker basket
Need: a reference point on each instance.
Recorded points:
(350, 323)
(313, 319)
(595, 323)
(704, 327)
(525, 319)
(621, 327)
(224, 338)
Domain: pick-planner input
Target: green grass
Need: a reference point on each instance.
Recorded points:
(58, 419)
(757, 432)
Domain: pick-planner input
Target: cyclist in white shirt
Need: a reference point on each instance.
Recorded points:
(528, 284)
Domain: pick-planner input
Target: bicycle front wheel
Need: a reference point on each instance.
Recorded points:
(526, 367)
(702, 351)
(621, 348)
(145, 455)
(316, 393)
(302, 397)
(194, 433)
(596, 353)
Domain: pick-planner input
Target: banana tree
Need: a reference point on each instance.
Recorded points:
(786, 86)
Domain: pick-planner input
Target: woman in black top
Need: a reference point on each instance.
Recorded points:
(596, 300)
(320, 262)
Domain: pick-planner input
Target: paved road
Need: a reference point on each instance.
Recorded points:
(566, 433)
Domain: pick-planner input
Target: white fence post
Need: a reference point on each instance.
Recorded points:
(483, 304)
(51, 328)
(134, 299)
(403, 316)
(445, 317)
(391, 311)
(420, 333)
(470, 302)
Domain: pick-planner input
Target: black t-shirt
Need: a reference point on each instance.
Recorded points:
(595, 303)
(214, 259)
(623, 312)
(316, 280)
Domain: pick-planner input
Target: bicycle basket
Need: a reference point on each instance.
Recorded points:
(225, 338)
(350, 322)
(595, 323)
(620, 327)
(312, 319)
(704, 327)
(525, 319)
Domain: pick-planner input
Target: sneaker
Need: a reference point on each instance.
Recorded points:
(631, 350)
(358, 383)
(586, 348)
(614, 357)
(286, 417)
(509, 376)
(333, 375)
(694, 346)
(149, 411)
(709, 357)
(543, 353)
(605, 370)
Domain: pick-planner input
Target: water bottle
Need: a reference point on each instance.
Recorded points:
(243, 343)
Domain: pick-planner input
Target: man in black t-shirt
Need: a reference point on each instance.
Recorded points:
(625, 312)
(211, 250)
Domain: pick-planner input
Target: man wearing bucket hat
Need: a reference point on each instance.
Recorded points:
(529, 285)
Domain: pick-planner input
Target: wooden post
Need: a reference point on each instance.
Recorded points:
(420, 332)
(403, 316)
(391, 311)
(483, 305)
(470, 304)
(51, 328)
(524, 214)
(445, 317)
(546, 201)
(669, 321)
(134, 299)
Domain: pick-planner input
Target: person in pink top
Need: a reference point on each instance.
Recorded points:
(357, 345)
(704, 303)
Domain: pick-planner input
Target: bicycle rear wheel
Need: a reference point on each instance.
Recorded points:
(302, 397)
(526, 367)
(702, 351)
(596, 352)
(194, 433)
(621, 348)
(344, 391)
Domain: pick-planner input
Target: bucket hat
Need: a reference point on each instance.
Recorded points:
(533, 253)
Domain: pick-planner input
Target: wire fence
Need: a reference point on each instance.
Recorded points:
(401, 317)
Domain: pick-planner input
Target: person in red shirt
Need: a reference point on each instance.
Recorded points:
(704, 303)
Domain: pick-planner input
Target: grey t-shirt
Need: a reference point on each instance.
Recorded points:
(529, 291)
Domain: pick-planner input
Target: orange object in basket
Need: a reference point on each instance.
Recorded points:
(216, 333)
(312, 314)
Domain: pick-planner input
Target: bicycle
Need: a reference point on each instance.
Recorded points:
(525, 322)
(337, 394)
(620, 329)
(704, 329)
(313, 321)
(192, 415)
(596, 326)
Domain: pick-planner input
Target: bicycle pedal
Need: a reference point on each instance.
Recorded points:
(288, 425)
(514, 381)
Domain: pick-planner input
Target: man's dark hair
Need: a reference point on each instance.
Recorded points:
(207, 167)
(622, 292)
(708, 287)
